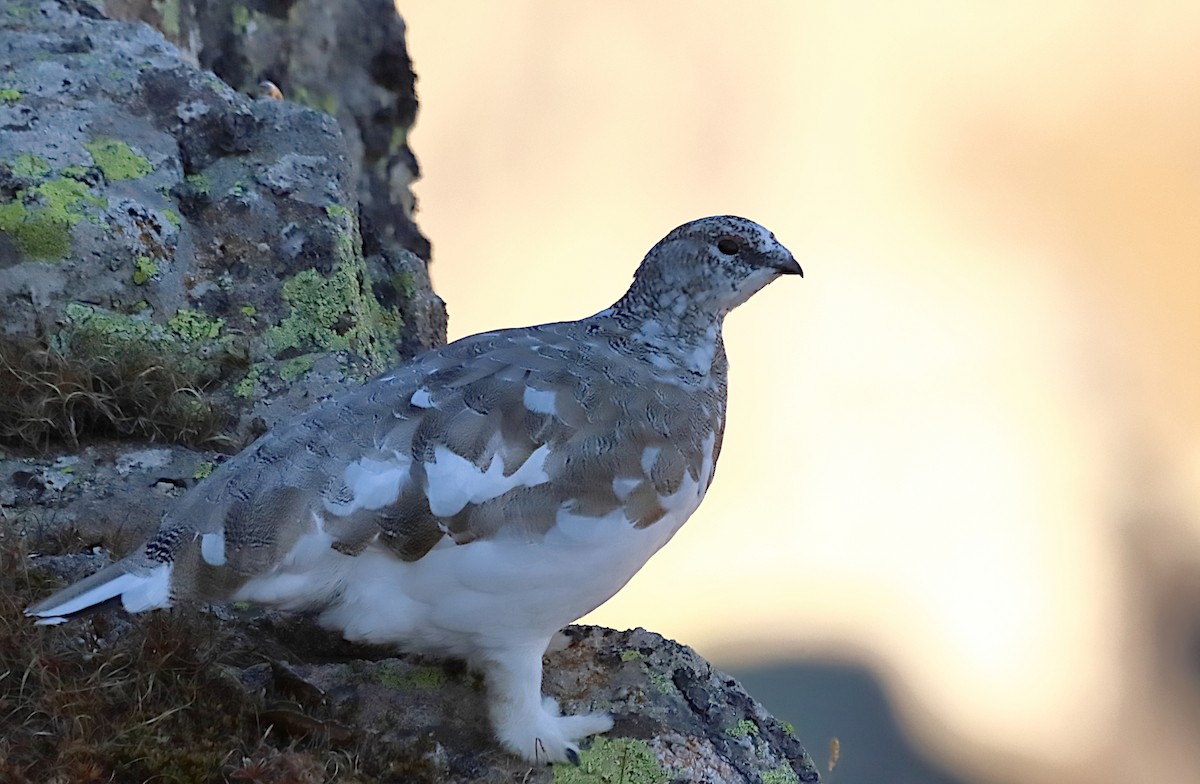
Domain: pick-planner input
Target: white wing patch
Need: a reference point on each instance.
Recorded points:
(455, 481)
(539, 401)
(212, 548)
(375, 483)
(649, 458)
(624, 485)
(421, 398)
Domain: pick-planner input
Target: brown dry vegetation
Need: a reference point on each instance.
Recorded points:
(47, 395)
(99, 700)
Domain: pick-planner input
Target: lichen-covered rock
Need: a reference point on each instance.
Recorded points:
(346, 59)
(151, 217)
(676, 718)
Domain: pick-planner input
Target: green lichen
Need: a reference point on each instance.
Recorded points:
(149, 380)
(201, 183)
(788, 727)
(172, 217)
(98, 332)
(241, 18)
(75, 172)
(248, 310)
(194, 325)
(203, 470)
(169, 13)
(403, 283)
(337, 211)
(10, 95)
(144, 268)
(42, 227)
(107, 324)
(336, 313)
(117, 159)
(781, 775)
(631, 655)
(615, 761)
(415, 678)
(344, 248)
(247, 386)
(398, 140)
(38, 236)
(743, 729)
(67, 197)
(661, 683)
(296, 367)
(28, 165)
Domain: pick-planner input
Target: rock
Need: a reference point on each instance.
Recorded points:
(346, 59)
(171, 241)
(676, 718)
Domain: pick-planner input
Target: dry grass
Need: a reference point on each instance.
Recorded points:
(48, 396)
(151, 702)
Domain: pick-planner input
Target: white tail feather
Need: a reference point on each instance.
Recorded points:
(138, 592)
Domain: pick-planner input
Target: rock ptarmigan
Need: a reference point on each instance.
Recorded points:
(475, 500)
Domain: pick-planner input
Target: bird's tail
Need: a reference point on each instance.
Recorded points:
(137, 586)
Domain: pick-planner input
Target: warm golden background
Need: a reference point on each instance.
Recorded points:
(965, 450)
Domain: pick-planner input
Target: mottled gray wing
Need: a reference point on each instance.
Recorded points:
(491, 434)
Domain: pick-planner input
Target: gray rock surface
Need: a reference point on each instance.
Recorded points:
(348, 59)
(151, 216)
(676, 718)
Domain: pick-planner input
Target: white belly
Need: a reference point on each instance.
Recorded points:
(462, 598)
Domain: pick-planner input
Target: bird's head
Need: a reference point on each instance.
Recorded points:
(711, 264)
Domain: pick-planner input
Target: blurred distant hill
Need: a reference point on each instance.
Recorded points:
(842, 701)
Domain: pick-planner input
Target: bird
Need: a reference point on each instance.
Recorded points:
(268, 89)
(475, 500)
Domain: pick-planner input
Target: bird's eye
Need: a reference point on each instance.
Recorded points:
(728, 245)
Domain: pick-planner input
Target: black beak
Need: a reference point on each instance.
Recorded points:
(789, 266)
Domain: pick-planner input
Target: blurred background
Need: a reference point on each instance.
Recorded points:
(960, 486)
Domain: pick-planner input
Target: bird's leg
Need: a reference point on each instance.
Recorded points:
(526, 723)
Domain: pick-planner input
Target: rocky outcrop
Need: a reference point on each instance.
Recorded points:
(174, 241)
(347, 59)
